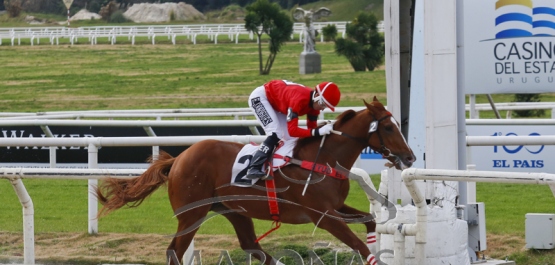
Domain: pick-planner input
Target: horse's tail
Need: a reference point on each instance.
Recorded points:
(132, 192)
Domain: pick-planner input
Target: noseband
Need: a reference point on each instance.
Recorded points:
(384, 151)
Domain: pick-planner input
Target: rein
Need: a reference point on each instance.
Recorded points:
(364, 141)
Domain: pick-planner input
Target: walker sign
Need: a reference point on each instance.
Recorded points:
(508, 46)
(522, 158)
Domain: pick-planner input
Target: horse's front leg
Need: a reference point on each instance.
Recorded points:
(336, 225)
(353, 215)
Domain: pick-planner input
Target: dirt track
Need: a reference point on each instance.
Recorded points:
(67, 248)
(81, 248)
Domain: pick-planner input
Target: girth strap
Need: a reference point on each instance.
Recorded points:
(272, 203)
(271, 186)
(319, 168)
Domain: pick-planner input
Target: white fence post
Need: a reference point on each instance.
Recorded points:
(93, 201)
(28, 220)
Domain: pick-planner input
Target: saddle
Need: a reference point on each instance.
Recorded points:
(282, 157)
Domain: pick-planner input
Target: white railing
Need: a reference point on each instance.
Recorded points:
(512, 106)
(158, 114)
(419, 228)
(14, 175)
(237, 113)
(92, 173)
(151, 32)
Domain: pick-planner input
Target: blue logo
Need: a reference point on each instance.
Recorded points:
(522, 18)
(518, 148)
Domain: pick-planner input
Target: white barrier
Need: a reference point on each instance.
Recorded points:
(246, 112)
(148, 113)
(509, 140)
(419, 229)
(171, 32)
(14, 175)
(92, 173)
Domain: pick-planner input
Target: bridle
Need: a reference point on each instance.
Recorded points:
(384, 151)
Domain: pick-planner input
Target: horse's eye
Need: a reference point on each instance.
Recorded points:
(388, 128)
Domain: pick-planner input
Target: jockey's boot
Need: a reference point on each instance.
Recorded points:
(259, 158)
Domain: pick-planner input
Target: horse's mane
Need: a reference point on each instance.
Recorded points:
(341, 119)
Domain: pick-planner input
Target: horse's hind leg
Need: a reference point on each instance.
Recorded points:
(189, 223)
(244, 228)
(365, 218)
(336, 226)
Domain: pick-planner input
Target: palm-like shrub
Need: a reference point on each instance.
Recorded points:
(363, 45)
(264, 17)
(330, 32)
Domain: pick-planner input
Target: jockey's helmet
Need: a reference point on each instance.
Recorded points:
(329, 94)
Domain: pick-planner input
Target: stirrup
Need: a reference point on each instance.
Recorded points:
(255, 175)
(268, 176)
(258, 175)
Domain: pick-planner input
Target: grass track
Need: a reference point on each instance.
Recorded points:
(84, 77)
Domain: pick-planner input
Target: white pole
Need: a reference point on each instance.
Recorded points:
(471, 186)
(53, 156)
(510, 140)
(93, 201)
(28, 220)
(473, 112)
(399, 245)
(411, 174)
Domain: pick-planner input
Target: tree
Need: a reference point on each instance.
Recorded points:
(107, 10)
(531, 112)
(364, 46)
(13, 7)
(330, 32)
(265, 17)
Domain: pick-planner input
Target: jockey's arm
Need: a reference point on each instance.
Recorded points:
(311, 121)
(295, 131)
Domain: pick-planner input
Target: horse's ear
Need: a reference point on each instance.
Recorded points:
(376, 99)
(368, 105)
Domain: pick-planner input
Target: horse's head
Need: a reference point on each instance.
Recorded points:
(376, 127)
(385, 136)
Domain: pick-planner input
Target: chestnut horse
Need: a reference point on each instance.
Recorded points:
(199, 181)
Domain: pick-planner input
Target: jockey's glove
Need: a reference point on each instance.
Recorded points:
(324, 130)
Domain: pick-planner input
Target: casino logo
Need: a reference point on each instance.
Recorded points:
(524, 18)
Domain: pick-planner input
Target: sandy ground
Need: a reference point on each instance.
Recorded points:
(113, 248)
(67, 248)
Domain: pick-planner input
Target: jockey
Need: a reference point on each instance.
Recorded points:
(277, 106)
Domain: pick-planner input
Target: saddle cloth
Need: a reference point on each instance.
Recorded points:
(243, 159)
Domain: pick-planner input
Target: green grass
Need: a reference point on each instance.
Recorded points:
(507, 204)
(61, 206)
(346, 10)
(84, 77)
